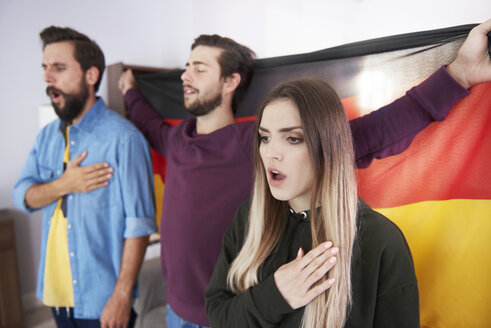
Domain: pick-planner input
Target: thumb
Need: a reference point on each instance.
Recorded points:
(300, 253)
(77, 160)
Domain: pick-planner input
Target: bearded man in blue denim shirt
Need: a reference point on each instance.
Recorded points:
(90, 171)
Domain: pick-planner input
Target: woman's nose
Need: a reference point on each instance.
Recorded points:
(273, 151)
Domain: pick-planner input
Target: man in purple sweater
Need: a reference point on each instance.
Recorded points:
(209, 164)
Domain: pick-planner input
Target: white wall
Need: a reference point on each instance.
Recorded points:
(159, 33)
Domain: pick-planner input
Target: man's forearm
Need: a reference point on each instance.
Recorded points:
(133, 253)
(116, 312)
(41, 195)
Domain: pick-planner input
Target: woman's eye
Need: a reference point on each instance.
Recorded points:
(294, 140)
(264, 139)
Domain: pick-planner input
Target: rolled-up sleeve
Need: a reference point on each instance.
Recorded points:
(29, 176)
(137, 187)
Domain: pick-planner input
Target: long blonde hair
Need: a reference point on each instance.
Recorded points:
(328, 138)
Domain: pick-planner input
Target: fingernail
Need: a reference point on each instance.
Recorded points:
(328, 244)
(334, 251)
(332, 260)
(331, 280)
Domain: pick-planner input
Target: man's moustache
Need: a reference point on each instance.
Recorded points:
(50, 89)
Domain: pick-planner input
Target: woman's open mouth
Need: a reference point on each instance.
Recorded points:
(276, 178)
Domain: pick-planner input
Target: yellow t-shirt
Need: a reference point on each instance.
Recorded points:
(58, 289)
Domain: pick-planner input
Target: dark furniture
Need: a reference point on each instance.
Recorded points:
(10, 297)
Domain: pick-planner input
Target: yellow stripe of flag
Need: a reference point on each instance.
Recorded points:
(451, 246)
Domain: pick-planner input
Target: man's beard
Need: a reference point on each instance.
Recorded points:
(74, 103)
(200, 108)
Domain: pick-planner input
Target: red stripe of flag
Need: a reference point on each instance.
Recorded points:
(448, 160)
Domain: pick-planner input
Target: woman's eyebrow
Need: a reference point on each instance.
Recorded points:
(287, 129)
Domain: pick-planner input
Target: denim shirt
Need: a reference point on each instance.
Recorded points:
(99, 220)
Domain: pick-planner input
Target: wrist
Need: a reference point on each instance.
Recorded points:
(122, 291)
(127, 88)
(457, 72)
(60, 187)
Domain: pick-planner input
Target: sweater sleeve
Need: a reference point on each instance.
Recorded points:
(397, 300)
(147, 120)
(259, 306)
(398, 308)
(391, 129)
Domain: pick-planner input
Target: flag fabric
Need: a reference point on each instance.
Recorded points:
(438, 191)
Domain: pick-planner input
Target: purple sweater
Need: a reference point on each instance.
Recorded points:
(209, 176)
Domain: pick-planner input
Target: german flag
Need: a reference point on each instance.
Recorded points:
(438, 191)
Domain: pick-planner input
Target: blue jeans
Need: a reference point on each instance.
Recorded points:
(175, 321)
(65, 319)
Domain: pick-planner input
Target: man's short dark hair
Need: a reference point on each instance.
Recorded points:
(87, 52)
(235, 58)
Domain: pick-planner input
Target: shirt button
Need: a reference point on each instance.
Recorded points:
(58, 171)
(71, 197)
(72, 143)
(69, 226)
(72, 254)
(74, 282)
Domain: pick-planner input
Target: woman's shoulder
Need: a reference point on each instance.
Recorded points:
(238, 226)
(384, 282)
(242, 213)
(383, 250)
(376, 230)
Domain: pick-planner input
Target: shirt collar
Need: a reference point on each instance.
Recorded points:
(89, 120)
